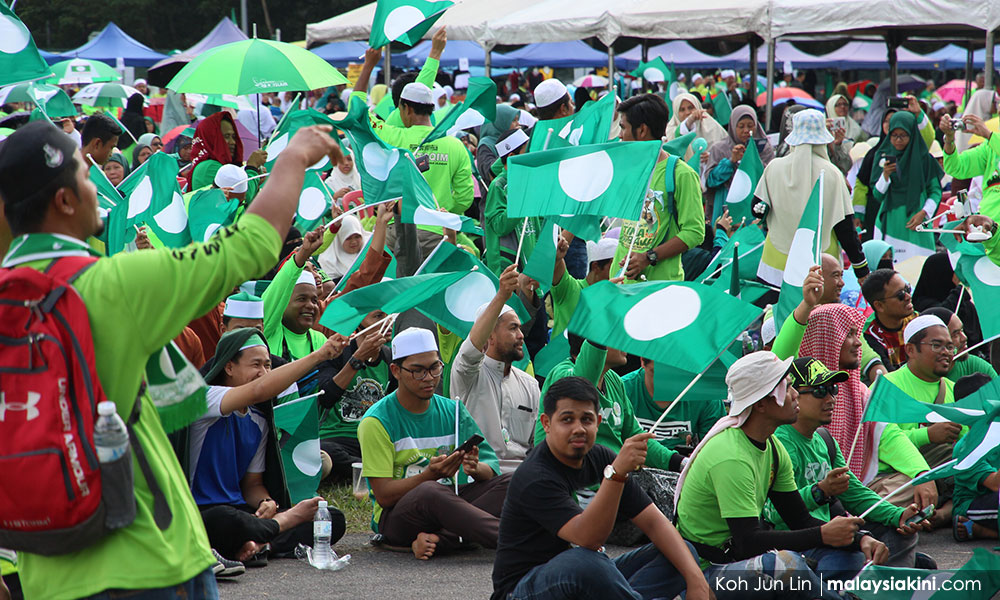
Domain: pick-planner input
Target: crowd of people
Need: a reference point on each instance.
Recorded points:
(747, 482)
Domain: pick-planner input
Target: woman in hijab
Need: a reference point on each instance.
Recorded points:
(878, 253)
(151, 142)
(982, 104)
(151, 125)
(336, 260)
(489, 134)
(344, 178)
(216, 143)
(724, 156)
(786, 186)
(688, 117)
(133, 120)
(116, 168)
(839, 107)
(141, 153)
(907, 187)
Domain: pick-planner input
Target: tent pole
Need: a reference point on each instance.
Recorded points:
(989, 60)
(243, 17)
(611, 67)
(891, 45)
(488, 59)
(388, 66)
(645, 58)
(968, 75)
(770, 84)
(754, 46)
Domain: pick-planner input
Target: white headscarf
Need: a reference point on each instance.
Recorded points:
(335, 261)
(338, 179)
(707, 128)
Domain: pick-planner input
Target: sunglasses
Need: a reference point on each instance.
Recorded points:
(822, 391)
(901, 294)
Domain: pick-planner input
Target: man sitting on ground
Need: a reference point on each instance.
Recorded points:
(892, 300)
(541, 518)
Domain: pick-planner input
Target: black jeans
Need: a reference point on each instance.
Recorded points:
(343, 451)
(230, 526)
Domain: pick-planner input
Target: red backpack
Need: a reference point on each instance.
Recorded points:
(56, 496)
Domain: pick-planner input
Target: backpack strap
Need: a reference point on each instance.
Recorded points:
(831, 450)
(669, 185)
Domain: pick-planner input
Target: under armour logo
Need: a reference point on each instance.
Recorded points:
(31, 406)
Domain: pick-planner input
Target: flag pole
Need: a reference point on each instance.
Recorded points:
(380, 322)
(904, 486)
(719, 270)
(688, 388)
(319, 393)
(961, 293)
(971, 348)
(819, 220)
(457, 443)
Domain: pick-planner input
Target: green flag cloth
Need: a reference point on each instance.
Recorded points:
(721, 107)
(982, 276)
(385, 107)
(293, 121)
(584, 226)
(750, 239)
(734, 278)
(678, 323)
(592, 125)
(542, 262)
(978, 579)
(404, 21)
(176, 388)
(679, 145)
(553, 353)
(481, 96)
(314, 202)
(153, 197)
(740, 194)
(390, 271)
(19, 57)
(346, 312)
(698, 147)
(981, 441)
(802, 255)
(209, 210)
(655, 71)
(889, 404)
(455, 306)
(298, 424)
(107, 195)
(606, 180)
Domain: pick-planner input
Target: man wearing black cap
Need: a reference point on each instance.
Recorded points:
(827, 486)
(136, 303)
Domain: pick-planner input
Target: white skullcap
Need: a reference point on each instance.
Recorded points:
(413, 340)
(139, 82)
(696, 77)
(231, 176)
(514, 97)
(306, 278)
(244, 306)
(681, 77)
(479, 311)
(549, 92)
(417, 93)
(526, 118)
(919, 324)
(767, 331)
(601, 250)
(511, 143)
(938, 105)
(726, 73)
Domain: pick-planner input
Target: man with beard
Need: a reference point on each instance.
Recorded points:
(500, 397)
(833, 284)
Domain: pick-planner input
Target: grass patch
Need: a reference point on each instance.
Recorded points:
(358, 513)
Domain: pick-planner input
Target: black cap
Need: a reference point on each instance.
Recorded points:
(31, 157)
(810, 371)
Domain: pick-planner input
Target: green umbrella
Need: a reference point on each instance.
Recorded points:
(81, 70)
(255, 66)
(105, 94)
(51, 100)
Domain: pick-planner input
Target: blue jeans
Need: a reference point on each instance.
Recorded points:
(579, 573)
(199, 587)
(834, 563)
(781, 574)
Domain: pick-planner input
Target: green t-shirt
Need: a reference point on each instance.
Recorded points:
(500, 231)
(969, 483)
(397, 443)
(565, 297)
(728, 480)
(138, 302)
(692, 416)
(925, 391)
(972, 364)
(282, 341)
(367, 388)
(659, 225)
(811, 463)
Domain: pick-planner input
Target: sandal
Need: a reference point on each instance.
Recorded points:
(961, 530)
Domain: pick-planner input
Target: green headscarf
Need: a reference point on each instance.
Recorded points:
(156, 129)
(229, 346)
(490, 132)
(914, 165)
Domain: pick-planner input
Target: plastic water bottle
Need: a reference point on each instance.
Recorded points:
(110, 435)
(322, 554)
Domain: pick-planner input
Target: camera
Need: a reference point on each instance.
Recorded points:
(958, 125)
(898, 103)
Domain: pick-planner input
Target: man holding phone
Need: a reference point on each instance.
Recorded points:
(412, 455)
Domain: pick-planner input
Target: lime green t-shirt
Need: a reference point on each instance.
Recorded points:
(925, 391)
(728, 480)
(367, 388)
(138, 302)
(397, 443)
(565, 297)
(972, 364)
(696, 417)
(282, 341)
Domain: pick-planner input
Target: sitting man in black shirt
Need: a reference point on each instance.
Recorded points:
(541, 520)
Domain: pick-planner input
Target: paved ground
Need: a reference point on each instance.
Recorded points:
(377, 573)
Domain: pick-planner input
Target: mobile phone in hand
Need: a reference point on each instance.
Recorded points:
(926, 513)
(473, 441)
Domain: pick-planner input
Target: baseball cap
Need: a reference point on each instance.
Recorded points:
(413, 340)
(751, 378)
(231, 176)
(31, 158)
(549, 92)
(417, 93)
(808, 371)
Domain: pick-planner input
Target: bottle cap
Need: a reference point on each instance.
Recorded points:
(106, 408)
(322, 504)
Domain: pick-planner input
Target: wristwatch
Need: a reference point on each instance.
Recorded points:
(356, 364)
(819, 496)
(651, 257)
(610, 473)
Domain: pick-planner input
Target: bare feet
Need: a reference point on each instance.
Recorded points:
(248, 550)
(423, 547)
(300, 513)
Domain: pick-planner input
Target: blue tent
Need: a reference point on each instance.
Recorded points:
(957, 60)
(455, 50)
(678, 53)
(50, 57)
(225, 32)
(339, 54)
(113, 43)
(555, 55)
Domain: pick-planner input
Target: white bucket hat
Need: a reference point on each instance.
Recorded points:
(809, 127)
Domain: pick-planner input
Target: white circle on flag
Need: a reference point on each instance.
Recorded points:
(14, 36)
(312, 203)
(276, 146)
(166, 365)
(210, 230)
(586, 177)
(653, 75)
(401, 20)
(987, 271)
(378, 161)
(140, 198)
(320, 165)
(739, 189)
(173, 218)
(307, 458)
(661, 313)
(465, 296)
(425, 216)
(800, 257)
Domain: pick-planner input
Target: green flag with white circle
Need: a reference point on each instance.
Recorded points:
(590, 125)
(655, 71)
(982, 277)
(682, 324)
(481, 97)
(298, 425)
(455, 306)
(802, 255)
(107, 195)
(404, 21)
(291, 123)
(19, 57)
(542, 262)
(208, 211)
(314, 202)
(176, 388)
(751, 246)
(606, 180)
(887, 403)
(151, 197)
(741, 188)
(980, 443)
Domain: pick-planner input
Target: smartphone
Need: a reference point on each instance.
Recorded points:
(889, 159)
(840, 123)
(920, 516)
(475, 440)
(898, 103)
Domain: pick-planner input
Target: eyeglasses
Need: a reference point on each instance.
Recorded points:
(938, 347)
(421, 373)
(901, 137)
(901, 294)
(822, 391)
